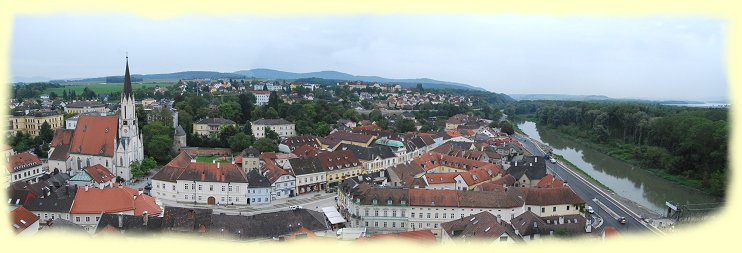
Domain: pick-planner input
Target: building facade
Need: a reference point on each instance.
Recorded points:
(211, 126)
(283, 127)
(30, 121)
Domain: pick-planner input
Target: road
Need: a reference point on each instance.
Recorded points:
(588, 192)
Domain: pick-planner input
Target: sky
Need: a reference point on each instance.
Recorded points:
(664, 57)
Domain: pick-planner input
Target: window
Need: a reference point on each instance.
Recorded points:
(435, 225)
(567, 208)
(401, 224)
(376, 213)
(385, 213)
(366, 213)
(224, 188)
(444, 215)
(97, 219)
(529, 208)
(428, 215)
(394, 213)
(230, 188)
(403, 213)
(87, 219)
(420, 215)
(385, 224)
(186, 186)
(543, 209)
(199, 188)
(436, 215)
(394, 224)
(554, 209)
(211, 188)
(77, 219)
(503, 238)
(462, 215)
(367, 224)
(376, 224)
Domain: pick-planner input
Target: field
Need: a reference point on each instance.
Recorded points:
(105, 87)
(209, 159)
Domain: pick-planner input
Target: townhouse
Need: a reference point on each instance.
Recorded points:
(79, 107)
(258, 188)
(88, 208)
(210, 126)
(30, 122)
(24, 167)
(310, 176)
(339, 165)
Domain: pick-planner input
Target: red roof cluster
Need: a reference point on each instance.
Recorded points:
(22, 161)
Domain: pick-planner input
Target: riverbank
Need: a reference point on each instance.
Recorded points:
(619, 152)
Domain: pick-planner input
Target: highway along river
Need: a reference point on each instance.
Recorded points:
(635, 184)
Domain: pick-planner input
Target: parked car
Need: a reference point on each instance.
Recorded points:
(590, 210)
(295, 207)
(552, 160)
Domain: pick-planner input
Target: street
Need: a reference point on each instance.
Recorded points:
(589, 192)
(311, 201)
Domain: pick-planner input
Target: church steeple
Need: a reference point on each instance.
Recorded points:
(126, 93)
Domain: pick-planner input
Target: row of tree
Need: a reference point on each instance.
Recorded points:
(691, 142)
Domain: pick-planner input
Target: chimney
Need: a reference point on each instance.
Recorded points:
(86, 188)
(218, 165)
(100, 186)
(145, 217)
(535, 224)
(121, 220)
(498, 219)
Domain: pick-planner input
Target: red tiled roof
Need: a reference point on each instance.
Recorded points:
(306, 150)
(99, 173)
(441, 178)
(22, 218)
(22, 161)
(117, 199)
(338, 160)
(95, 135)
(61, 144)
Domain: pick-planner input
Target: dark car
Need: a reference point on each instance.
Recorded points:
(622, 220)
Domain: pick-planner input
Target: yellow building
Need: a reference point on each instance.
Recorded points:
(339, 165)
(80, 107)
(210, 126)
(31, 121)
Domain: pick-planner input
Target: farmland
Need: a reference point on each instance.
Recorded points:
(105, 87)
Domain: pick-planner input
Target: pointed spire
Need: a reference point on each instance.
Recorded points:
(127, 81)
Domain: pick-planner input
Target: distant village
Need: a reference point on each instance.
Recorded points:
(455, 177)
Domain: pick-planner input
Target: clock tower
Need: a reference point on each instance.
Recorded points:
(130, 147)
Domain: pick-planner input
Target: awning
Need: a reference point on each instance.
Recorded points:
(333, 215)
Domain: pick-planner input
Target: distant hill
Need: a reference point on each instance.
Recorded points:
(558, 97)
(175, 76)
(334, 75)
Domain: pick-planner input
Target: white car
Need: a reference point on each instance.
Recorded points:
(552, 160)
(590, 210)
(295, 207)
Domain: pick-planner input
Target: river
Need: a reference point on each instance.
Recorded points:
(635, 184)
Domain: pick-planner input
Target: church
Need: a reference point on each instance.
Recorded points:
(111, 141)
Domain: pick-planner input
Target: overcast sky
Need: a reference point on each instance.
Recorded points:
(652, 57)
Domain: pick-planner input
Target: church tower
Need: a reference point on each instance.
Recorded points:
(130, 146)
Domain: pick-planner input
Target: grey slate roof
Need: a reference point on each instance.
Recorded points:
(532, 167)
(271, 122)
(180, 219)
(130, 223)
(305, 165)
(256, 180)
(369, 153)
(215, 121)
(267, 225)
(179, 131)
(49, 205)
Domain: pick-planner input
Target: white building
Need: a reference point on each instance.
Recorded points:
(261, 97)
(258, 188)
(283, 182)
(269, 86)
(24, 167)
(283, 127)
(187, 181)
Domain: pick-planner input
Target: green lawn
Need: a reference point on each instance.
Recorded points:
(209, 159)
(104, 87)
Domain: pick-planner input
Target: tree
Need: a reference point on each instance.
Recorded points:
(240, 141)
(224, 133)
(270, 134)
(142, 168)
(231, 110)
(405, 125)
(246, 102)
(271, 113)
(160, 148)
(53, 95)
(265, 145)
(506, 127)
(46, 134)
